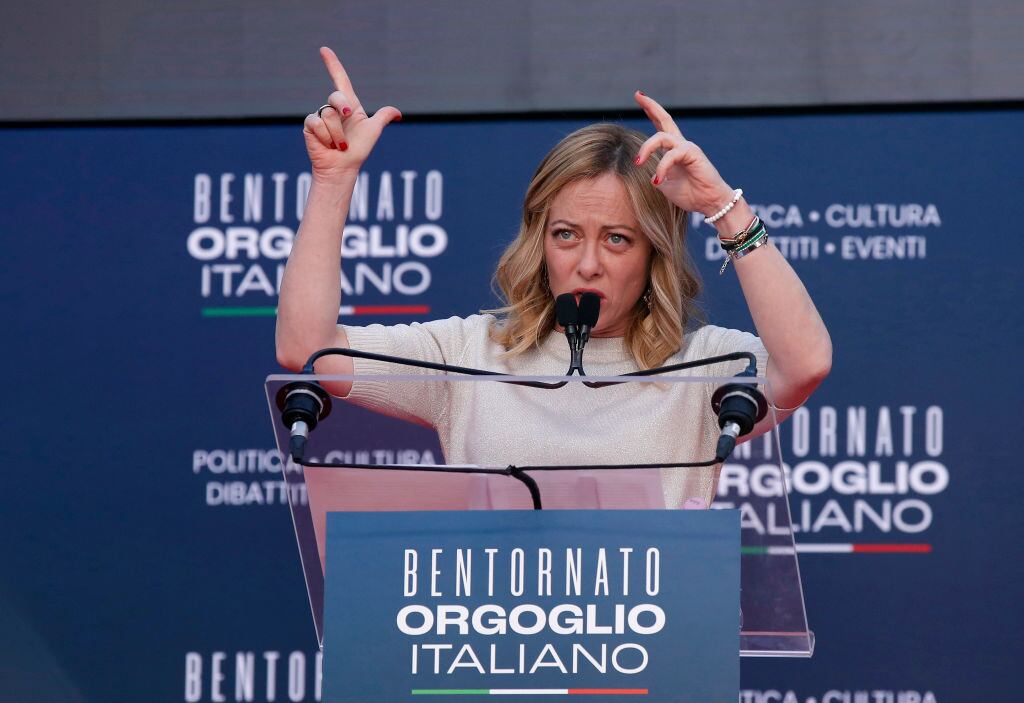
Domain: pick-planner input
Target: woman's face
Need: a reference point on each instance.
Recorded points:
(592, 242)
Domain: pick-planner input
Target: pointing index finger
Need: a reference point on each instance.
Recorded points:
(337, 72)
(657, 114)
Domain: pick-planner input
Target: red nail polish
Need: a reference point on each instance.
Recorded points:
(343, 146)
(347, 111)
(657, 180)
(397, 119)
(636, 161)
(642, 93)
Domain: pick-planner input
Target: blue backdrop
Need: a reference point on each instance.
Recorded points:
(147, 548)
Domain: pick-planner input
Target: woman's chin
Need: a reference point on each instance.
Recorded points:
(608, 331)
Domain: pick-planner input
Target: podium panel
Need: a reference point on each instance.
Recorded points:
(444, 605)
(436, 442)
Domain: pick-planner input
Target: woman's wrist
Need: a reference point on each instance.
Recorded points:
(336, 181)
(736, 220)
(721, 203)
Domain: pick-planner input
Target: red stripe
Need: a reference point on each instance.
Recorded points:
(919, 548)
(607, 691)
(390, 309)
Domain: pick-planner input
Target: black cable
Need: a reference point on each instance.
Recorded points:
(751, 369)
(343, 351)
(519, 472)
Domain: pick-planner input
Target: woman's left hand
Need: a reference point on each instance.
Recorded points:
(685, 175)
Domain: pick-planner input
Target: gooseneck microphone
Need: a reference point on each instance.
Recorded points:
(302, 405)
(577, 320)
(739, 406)
(567, 313)
(590, 310)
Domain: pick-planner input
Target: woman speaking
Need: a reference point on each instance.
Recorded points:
(605, 212)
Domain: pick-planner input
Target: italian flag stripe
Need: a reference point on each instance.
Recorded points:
(384, 310)
(840, 548)
(252, 311)
(919, 548)
(239, 312)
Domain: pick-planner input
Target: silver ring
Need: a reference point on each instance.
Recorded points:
(320, 112)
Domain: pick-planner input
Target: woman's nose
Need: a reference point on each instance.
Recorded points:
(590, 265)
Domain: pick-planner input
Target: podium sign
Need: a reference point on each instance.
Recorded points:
(442, 605)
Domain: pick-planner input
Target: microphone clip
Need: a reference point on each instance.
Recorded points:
(739, 407)
(302, 404)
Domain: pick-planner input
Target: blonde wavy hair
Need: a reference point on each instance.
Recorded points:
(528, 315)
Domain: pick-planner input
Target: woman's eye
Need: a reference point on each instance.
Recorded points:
(564, 234)
(618, 239)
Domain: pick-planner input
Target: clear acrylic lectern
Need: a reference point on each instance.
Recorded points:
(448, 442)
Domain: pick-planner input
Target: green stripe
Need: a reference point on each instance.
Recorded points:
(451, 692)
(753, 550)
(240, 312)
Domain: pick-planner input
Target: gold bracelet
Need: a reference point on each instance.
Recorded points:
(741, 236)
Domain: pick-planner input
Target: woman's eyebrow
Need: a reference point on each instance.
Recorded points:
(573, 224)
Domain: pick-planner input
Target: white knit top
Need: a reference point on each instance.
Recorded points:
(500, 424)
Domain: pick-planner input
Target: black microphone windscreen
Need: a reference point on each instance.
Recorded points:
(590, 309)
(566, 311)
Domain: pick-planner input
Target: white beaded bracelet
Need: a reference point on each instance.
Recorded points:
(736, 195)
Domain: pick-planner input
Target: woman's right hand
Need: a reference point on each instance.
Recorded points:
(341, 138)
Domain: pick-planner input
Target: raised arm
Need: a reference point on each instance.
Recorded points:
(338, 141)
(798, 344)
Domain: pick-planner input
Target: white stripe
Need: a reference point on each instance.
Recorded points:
(347, 310)
(825, 548)
(781, 551)
(529, 691)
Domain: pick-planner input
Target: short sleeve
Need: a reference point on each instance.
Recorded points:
(438, 341)
(721, 340)
(716, 341)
